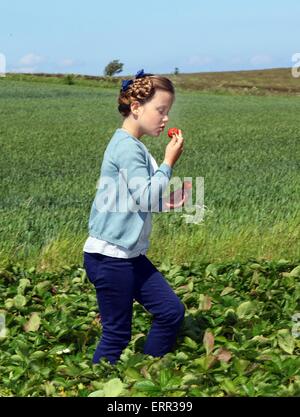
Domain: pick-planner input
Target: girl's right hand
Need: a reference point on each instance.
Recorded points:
(174, 149)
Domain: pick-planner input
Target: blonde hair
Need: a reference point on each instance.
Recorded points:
(142, 90)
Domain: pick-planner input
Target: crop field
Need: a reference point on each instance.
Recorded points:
(245, 147)
(240, 336)
(237, 271)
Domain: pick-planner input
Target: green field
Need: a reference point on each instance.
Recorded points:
(52, 138)
(238, 337)
(237, 272)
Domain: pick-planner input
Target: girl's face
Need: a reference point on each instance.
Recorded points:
(153, 116)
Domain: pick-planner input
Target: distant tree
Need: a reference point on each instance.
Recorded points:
(176, 71)
(69, 79)
(114, 67)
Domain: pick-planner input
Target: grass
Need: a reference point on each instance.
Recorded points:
(237, 272)
(256, 82)
(53, 137)
(274, 81)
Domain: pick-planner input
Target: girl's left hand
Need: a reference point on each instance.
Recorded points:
(178, 197)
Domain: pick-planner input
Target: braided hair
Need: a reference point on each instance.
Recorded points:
(142, 90)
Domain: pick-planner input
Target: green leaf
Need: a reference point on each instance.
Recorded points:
(182, 357)
(49, 388)
(19, 301)
(249, 389)
(9, 303)
(23, 283)
(147, 386)
(56, 349)
(190, 378)
(133, 374)
(16, 358)
(42, 287)
(179, 280)
(113, 388)
(164, 377)
(190, 343)
(99, 393)
(211, 269)
(37, 355)
(227, 290)
(246, 310)
(33, 324)
(286, 341)
(206, 362)
(229, 386)
(240, 365)
(4, 332)
(17, 373)
(295, 272)
(190, 286)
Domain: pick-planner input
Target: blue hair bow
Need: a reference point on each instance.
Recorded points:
(127, 83)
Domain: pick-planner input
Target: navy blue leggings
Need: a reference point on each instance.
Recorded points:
(118, 282)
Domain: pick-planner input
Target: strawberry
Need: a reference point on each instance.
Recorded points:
(173, 130)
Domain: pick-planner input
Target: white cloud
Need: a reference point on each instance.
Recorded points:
(260, 60)
(30, 59)
(28, 63)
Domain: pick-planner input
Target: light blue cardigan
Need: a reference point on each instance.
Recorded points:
(126, 158)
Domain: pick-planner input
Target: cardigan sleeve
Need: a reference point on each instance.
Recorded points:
(145, 190)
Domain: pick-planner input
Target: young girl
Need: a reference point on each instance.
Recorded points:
(115, 252)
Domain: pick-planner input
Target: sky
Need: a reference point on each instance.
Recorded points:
(64, 36)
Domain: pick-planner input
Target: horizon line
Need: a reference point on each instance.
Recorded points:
(121, 76)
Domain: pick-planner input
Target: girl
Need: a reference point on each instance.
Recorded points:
(115, 252)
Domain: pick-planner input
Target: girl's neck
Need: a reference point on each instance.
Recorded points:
(132, 130)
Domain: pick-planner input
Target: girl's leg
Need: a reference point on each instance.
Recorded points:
(113, 279)
(155, 294)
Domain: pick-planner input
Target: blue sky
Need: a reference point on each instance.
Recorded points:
(194, 35)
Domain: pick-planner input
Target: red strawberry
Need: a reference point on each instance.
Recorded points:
(173, 130)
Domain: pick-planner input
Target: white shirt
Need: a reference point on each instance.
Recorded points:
(93, 245)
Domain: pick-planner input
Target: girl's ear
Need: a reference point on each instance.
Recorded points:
(135, 107)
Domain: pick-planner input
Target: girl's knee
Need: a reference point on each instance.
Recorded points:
(176, 314)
